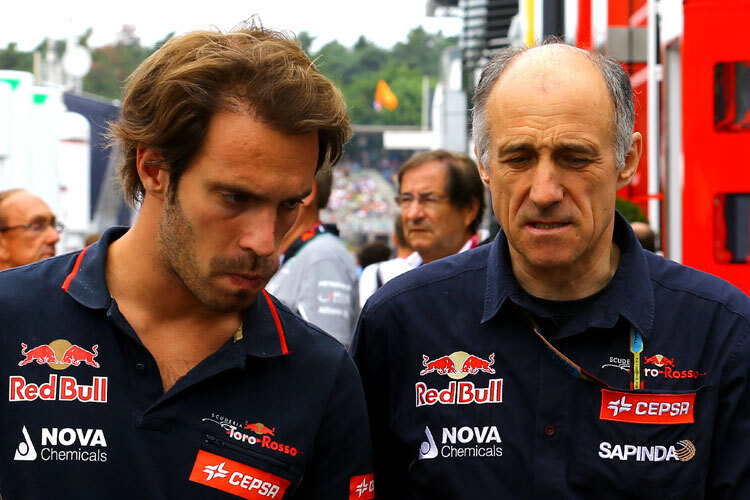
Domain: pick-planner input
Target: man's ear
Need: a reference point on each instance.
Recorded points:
(154, 177)
(471, 211)
(311, 199)
(626, 173)
(483, 173)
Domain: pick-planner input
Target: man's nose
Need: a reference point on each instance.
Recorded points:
(413, 210)
(259, 233)
(546, 188)
(51, 235)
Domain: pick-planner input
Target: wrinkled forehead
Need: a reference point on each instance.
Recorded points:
(428, 177)
(553, 71)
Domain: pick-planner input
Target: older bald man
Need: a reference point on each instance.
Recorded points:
(563, 360)
(28, 229)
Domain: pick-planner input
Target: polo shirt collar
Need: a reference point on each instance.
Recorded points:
(629, 294)
(87, 281)
(263, 332)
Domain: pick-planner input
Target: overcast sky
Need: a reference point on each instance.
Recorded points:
(384, 22)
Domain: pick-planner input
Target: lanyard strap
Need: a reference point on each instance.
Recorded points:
(574, 369)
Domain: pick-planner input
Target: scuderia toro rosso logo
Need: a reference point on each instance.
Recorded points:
(457, 366)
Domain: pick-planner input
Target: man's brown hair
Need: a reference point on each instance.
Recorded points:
(170, 98)
(464, 183)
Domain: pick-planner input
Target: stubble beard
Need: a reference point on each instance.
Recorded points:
(177, 256)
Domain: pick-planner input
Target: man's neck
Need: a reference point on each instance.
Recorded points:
(568, 283)
(428, 257)
(153, 295)
(305, 220)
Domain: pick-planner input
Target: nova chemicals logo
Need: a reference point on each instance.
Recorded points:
(462, 442)
(63, 445)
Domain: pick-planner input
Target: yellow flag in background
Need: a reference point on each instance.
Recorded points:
(384, 97)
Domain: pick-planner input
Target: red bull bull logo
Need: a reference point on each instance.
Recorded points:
(458, 365)
(658, 360)
(260, 429)
(59, 355)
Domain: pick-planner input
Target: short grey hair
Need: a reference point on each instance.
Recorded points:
(614, 75)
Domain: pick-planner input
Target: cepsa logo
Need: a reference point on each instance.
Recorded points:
(63, 445)
(457, 366)
(264, 436)
(665, 367)
(236, 478)
(461, 442)
(362, 487)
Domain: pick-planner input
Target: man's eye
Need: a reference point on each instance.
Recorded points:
(578, 161)
(516, 160)
(291, 204)
(235, 198)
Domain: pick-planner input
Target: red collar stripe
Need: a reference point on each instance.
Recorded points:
(69, 279)
(277, 320)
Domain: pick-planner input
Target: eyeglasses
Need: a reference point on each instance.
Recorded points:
(424, 199)
(37, 226)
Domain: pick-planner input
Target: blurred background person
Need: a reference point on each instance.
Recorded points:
(442, 203)
(28, 229)
(318, 276)
(372, 253)
(645, 235)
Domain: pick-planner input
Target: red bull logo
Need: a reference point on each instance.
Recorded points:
(461, 393)
(457, 365)
(658, 360)
(260, 429)
(62, 389)
(59, 355)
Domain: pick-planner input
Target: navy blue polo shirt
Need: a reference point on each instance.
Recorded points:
(465, 401)
(277, 412)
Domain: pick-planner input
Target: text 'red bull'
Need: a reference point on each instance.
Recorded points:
(461, 393)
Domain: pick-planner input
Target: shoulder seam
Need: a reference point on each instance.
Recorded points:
(437, 279)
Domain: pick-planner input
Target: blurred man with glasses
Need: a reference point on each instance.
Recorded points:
(28, 230)
(442, 203)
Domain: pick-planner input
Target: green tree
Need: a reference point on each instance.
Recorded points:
(111, 64)
(12, 58)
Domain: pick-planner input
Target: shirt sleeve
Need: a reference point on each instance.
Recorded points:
(390, 458)
(328, 299)
(729, 473)
(341, 468)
